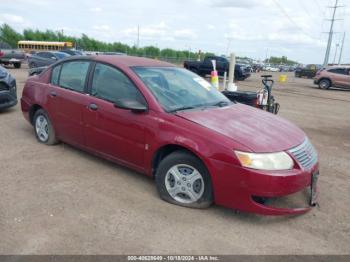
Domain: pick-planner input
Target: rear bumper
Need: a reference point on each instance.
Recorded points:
(236, 187)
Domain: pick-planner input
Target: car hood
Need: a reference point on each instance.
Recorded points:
(254, 128)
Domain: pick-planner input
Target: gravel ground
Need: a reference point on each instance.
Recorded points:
(59, 200)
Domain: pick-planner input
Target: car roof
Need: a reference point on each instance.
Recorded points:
(338, 66)
(126, 61)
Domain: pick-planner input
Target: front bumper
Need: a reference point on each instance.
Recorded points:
(237, 187)
(8, 94)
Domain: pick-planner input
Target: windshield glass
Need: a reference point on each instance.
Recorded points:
(179, 89)
(61, 55)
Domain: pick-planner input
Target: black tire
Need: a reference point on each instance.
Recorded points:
(184, 158)
(17, 65)
(324, 84)
(51, 139)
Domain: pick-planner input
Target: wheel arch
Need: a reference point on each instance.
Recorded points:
(166, 150)
(32, 112)
(326, 78)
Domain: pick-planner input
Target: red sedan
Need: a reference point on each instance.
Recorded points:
(169, 123)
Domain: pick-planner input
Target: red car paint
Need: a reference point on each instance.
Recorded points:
(133, 139)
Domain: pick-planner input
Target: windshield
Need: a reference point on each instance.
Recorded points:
(179, 89)
(61, 55)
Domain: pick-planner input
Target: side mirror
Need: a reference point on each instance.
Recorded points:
(133, 105)
(53, 58)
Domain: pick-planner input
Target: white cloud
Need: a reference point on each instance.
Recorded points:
(102, 27)
(185, 34)
(148, 31)
(235, 3)
(11, 19)
(96, 9)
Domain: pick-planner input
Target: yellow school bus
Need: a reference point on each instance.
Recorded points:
(28, 46)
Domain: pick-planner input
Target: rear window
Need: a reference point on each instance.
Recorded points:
(73, 75)
(341, 71)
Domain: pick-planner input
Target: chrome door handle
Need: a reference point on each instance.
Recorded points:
(93, 107)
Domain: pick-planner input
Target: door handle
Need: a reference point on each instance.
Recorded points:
(93, 107)
(53, 94)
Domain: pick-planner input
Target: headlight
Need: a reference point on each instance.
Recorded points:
(265, 161)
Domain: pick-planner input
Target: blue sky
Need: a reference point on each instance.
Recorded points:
(251, 28)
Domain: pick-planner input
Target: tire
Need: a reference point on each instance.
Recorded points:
(17, 65)
(180, 189)
(43, 128)
(325, 84)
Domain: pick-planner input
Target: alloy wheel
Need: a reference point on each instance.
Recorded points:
(42, 128)
(184, 183)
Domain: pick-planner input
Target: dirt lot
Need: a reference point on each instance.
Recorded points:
(59, 200)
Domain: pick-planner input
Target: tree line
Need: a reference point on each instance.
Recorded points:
(11, 37)
(280, 60)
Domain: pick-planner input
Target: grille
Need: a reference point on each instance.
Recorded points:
(305, 154)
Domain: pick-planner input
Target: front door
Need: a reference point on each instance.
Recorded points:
(116, 133)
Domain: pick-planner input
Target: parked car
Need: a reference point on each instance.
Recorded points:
(205, 67)
(72, 52)
(336, 76)
(8, 92)
(36, 70)
(309, 71)
(171, 124)
(45, 58)
(271, 68)
(12, 57)
(113, 53)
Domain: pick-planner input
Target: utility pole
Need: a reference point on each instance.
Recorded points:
(336, 52)
(341, 49)
(330, 33)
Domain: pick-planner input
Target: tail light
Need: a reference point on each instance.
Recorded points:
(1, 53)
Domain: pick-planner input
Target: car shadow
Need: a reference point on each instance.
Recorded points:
(8, 110)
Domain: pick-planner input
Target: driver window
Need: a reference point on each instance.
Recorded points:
(111, 85)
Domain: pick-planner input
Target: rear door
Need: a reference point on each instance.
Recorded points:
(339, 76)
(115, 133)
(206, 66)
(347, 82)
(67, 100)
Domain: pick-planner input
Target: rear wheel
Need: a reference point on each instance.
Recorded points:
(43, 128)
(17, 65)
(324, 84)
(183, 179)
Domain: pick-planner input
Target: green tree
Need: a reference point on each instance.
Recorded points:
(9, 36)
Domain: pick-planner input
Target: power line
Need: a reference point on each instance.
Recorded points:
(292, 21)
(331, 32)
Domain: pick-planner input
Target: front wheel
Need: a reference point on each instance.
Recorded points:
(324, 84)
(17, 65)
(43, 128)
(183, 179)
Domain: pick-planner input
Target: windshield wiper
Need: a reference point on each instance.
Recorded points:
(182, 108)
(221, 103)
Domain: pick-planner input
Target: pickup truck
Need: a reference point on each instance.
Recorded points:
(11, 57)
(205, 67)
(309, 71)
